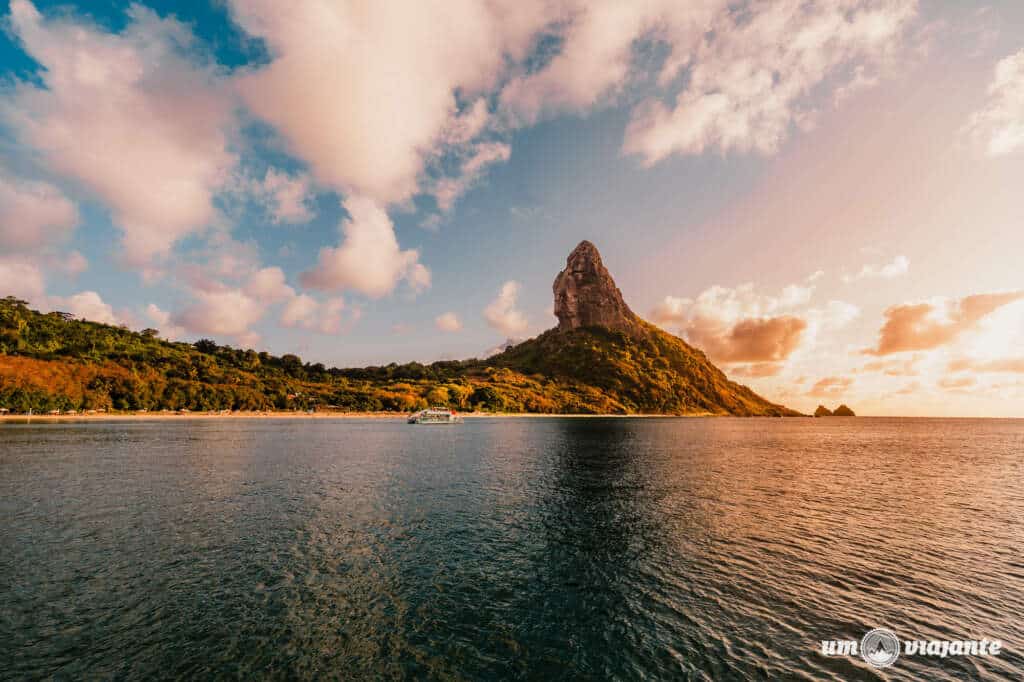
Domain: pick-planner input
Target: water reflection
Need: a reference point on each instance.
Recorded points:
(594, 548)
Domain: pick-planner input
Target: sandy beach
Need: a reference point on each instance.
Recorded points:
(174, 416)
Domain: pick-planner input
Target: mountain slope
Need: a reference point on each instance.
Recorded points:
(601, 359)
(600, 342)
(647, 372)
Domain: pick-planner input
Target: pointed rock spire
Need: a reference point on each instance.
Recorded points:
(586, 295)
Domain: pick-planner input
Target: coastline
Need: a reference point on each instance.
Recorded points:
(164, 416)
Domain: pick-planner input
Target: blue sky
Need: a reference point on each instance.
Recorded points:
(779, 183)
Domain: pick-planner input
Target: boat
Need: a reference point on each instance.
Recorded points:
(435, 415)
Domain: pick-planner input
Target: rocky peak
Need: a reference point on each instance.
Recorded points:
(586, 295)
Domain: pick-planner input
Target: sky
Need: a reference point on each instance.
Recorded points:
(826, 196)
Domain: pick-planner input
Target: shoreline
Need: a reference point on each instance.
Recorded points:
(396, 416)
(163, 416)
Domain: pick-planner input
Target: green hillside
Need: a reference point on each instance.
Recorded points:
(52, 362)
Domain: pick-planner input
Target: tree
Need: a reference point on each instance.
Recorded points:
(205, 346)
(438, 396)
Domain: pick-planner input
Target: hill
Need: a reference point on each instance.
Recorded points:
(601, 359)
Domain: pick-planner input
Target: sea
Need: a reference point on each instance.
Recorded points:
(508, 548)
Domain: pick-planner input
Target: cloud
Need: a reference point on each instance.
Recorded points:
(899, 266)
(753, 72)
(503, 346)
(957, 383)
(365, 92)
(269, 285)
(71, 264)
(923, 326)
(595, 58)
(999, 365)
(740, 325)
(325, 318)
(228, 312)
(753, 340)
(33, 215)
(286, 197)
(999, 125)
(757, 370)
(369, 259)
(895, 368)
(830, 387)
(128, 116)
(501, 313)
(448, 322)
(88, 305)
(21, 279)
(449, 189)
(162, 319)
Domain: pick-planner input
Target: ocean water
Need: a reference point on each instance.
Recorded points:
(711, 549)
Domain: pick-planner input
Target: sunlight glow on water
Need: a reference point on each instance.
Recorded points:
(541, 548)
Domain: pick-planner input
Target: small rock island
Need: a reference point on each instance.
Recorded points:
(841, 411)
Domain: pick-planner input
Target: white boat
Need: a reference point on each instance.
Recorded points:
(435, 415)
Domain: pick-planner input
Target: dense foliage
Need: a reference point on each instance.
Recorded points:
(53, 362)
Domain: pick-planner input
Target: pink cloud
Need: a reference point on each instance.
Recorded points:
(33, 215)
(364, 92)
(830, 387)
(999, 125)
(127, 116)
(923, 326)
(753, 71)
(502, 314)
(369, 259)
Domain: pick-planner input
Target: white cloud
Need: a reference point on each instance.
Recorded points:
(369, 259)
(268, 285)
(162, 319)
(595, 58)
(999, 125)
(449, 189)
(306, 312)
(501, 313)
(753, 73)
(33, 215)
(88, 305)
(448, 322)
(21, 279)
(286, 198)
(128, 116)
(365, 92)
(229, 312)
(900, 265)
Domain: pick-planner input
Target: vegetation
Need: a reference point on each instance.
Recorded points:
(53, 362)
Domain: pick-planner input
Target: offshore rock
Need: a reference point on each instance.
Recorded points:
(586, 295)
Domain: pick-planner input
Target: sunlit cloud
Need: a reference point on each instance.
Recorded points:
(129, 116)
(899, 266)
(831, 387)
(33, 215)
(448, 322)
(369, 259)
(923, 326)
(502, 314)
(999, 125)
